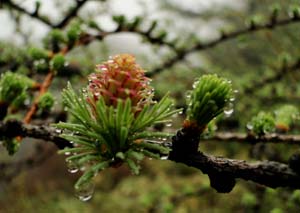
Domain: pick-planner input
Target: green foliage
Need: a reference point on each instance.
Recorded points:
(73, 33)
(46, 101)
(249, 200)
(38, 54)
(58, 62)
(12, 86)
(54, 40)
(262, 124)
(285, 116)
(210, 96)
(105, 136)
(11, 145)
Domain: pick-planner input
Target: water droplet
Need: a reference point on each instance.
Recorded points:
(228, 110)
(67, 153)
(165, 157)
(232, 99)
(249, 126)
(164, 139)
(180, 113)
(85, 191)
(59, 131)
(169, 124)
(72, 166)
(235, 91)
(195, 84)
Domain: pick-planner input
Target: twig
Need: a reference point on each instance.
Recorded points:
(179, 55)
(15, 128)
(222, 171)
(71, 14)
(277, 77)
(248, 138)
(44, 87)
(33, 14)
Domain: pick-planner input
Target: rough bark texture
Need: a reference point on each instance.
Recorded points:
(223, 172)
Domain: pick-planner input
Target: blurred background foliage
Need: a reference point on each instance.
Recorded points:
(46, 186)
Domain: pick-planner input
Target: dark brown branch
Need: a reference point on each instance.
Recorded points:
(72, 13)
(248, 138)
(223, 172)
(179, 55)
(268, 173)
(33, 14)
(15, 128)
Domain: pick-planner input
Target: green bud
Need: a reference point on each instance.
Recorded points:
(285, 116)
(73, 33)
(41, 66)
(54, 40)
(262, 124)
(208, 99)
(93, 24)
(120, 19)
(12, 85)
(38, 54)
(162, 35)
(11, 145)
(58, 62)
(137, 20)
(46, 101)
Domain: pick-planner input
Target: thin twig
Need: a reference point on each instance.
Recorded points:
(179, 55)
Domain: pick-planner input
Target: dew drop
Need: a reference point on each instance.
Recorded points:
(169, 124)
(85, 191)
(232, 99)
(165, 157)
(67, 153)
(180, 113)
(228, 110)
(249, 126)
(59, 131)
(72, 166)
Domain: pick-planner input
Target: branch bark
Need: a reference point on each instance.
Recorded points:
(221, 171)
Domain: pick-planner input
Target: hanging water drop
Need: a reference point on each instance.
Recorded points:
(169, 124)
(85, 191)
(59, 131)
(72, 166)
(228, 110)
(165, 157)
(67, 153)
(249, 126)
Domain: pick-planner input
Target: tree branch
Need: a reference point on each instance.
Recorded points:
(276, 77)
(248, 138)
(72, 13)
(33, 14)
(14, 128)
(179, 55)
(222, 171)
